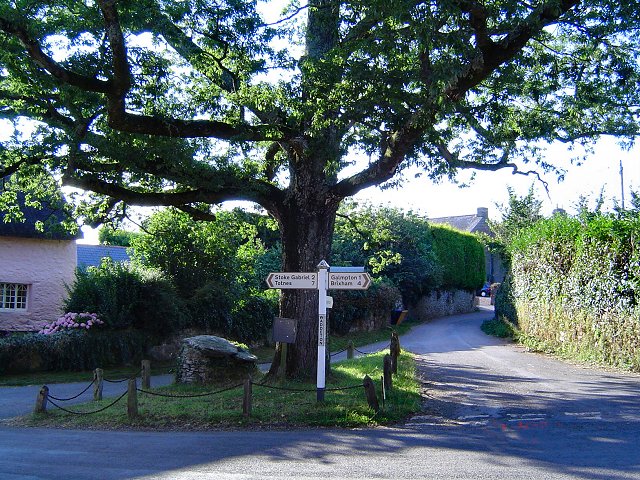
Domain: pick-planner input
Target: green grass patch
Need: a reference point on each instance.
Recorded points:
(339, 342)
(499, 328)
(272, 407)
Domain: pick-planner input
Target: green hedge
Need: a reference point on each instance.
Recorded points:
(71, 350)
(461, 256)
(574, 287)
(128, 296)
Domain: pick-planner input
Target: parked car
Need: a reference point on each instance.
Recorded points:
(485, 291)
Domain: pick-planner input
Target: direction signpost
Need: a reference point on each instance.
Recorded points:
(323, 280)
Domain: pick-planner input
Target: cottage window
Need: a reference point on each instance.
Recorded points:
(13, 296)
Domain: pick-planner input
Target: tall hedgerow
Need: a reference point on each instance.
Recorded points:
(460, 256)
(575, 286)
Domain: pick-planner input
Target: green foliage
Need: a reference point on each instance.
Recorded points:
(112, 236)
(126, 296)
(408, 257)
(499, 327)
(461, 256)
(195, 253)
(190, 104)
(519, 213)
(392, 243)
(71, 350)
(575, 285)
(219, 268)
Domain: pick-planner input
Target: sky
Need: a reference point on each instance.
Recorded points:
(600, 172)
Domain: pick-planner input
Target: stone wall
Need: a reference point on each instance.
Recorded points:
(442, 304)
(207, 359)
(45, 266)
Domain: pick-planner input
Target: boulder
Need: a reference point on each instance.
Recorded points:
(207, 359)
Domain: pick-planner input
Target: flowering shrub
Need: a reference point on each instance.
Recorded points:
(72, 320)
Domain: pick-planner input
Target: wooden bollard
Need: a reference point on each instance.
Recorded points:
(132, 400)
(387, 374)
(394, 350)
(98, 382)
(146, 374)
(350, 350)
(41, 400)
(246, 398)
(370, 392)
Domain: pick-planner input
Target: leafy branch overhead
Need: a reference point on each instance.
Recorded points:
(446, 85)
(192, 103)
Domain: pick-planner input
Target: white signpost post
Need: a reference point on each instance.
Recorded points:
(323, 280)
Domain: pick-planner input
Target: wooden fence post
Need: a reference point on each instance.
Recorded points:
(394, 350)
(98, 379)
(387, 373)
(146, 374)
(132, 400)
(41, 400)
(370, 392)
(246, 398)
(350, 350)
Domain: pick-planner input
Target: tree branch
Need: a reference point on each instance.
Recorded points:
(62, 74)
(495, 54)
(455, 162)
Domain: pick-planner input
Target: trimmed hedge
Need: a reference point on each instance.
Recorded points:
(574, 287)
(461, 256)
(71, 350)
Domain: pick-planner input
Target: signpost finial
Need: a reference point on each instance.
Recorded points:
(323, 264)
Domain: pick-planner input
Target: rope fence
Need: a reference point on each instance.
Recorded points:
(124, 379)
(389, 368)
(92, 412)
(74, 397)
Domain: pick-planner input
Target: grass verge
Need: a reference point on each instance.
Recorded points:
(499, 328)
(272, 407)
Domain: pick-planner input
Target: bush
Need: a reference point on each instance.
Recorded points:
(241, 315)
(71, 350)
(126, 296)
(392, 243)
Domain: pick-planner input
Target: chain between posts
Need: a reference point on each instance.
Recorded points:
(287, 389)
(95, 411)
(123, 379)
(195, 395)
(71, 398)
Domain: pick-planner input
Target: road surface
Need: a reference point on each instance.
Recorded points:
(491, 410)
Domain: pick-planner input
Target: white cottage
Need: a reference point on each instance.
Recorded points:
(34, 269)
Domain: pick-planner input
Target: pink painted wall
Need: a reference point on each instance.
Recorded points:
(45, 266)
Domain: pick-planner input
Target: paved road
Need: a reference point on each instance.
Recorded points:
(491, 410)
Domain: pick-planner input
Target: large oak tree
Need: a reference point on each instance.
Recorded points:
(191, 103)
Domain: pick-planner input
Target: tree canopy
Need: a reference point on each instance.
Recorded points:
(191, 103)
